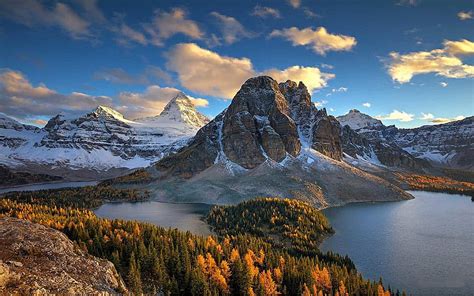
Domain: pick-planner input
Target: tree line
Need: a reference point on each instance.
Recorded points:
(153, 259)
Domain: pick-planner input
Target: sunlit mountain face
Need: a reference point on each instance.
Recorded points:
(404, 62)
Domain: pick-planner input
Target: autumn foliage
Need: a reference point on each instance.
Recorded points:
(436, 184)
(155, 260)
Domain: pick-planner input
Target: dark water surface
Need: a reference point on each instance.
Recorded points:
(425, 245)
(184, 216)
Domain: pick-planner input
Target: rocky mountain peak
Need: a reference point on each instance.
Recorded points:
(266, 121)
(7, 122)
(179, 110)
(358, 121)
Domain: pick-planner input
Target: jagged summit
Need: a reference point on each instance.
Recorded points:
(357, 120)
(101, 139)
(264, 122)
(270, 141)
(108, 112)
(180, 110)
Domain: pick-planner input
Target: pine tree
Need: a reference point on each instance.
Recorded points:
(134, 279)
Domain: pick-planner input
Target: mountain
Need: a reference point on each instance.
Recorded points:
(179, 112)
(444, 145)
(270, 141)
(38, 260)
(101, 140)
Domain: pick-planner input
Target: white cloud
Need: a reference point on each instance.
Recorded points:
(264, 12)
(327, 66)
(312, 77)
(18, 97)
(439, 120)
(462, 47)
(294, 3)
(367, 104)
(443, 62)
(319, 40)
(33, 13)
(426, 116)
(309, 13)
(319, 104)
(340, 89)
(443, 84)
(465, 15)
(208, 73)
(128, 35)
(396, 115)
(167, 24)
(408, 2)
(151, 102)
(92, 11)
(230, 28)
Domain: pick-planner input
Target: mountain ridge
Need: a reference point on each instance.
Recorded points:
(270, 141)
(442, 145)
(99, 140)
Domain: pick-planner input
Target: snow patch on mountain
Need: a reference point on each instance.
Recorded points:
(357, 121)
(101, 139)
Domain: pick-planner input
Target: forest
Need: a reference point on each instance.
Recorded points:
(437, 184)
(285, 223)
(11, 178)
(80, 197)
(153, 260)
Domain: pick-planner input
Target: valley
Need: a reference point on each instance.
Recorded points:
(250, 201)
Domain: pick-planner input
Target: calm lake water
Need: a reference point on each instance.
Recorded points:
(425, 245)
(184, 216)
(43, 186)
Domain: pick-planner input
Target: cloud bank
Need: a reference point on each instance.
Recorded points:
(21, 99)
(444, 62)
(319, 40)
(208, 73)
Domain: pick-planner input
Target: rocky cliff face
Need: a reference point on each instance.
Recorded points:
(379, 152)
(37, 260)
(265, 121)
(448, 144)
(100, 140)
(270, 141)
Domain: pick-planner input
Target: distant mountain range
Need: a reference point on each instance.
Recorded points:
(270, 141)
(99, 141)
(442, 145)
(267, 127)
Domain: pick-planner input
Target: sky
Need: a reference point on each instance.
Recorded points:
(406, 62)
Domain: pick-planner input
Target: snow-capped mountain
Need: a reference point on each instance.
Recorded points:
(449, 144)
(179, 112)
(101, 139)
(270, 141)
(360, 122)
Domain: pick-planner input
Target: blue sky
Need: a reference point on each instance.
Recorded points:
(410, 62)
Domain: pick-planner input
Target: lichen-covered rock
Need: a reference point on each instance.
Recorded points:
(37, 260)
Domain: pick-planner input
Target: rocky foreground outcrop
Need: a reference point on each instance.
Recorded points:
(37, 260)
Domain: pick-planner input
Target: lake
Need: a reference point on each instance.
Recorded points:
(424, 246)
(184, 216)
(44, 186)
